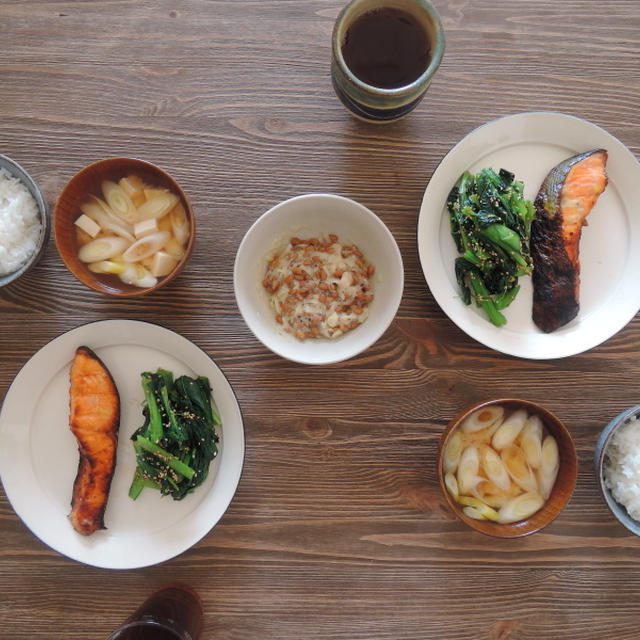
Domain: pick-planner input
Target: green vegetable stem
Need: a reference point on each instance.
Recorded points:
(490, 223)
(178, 440)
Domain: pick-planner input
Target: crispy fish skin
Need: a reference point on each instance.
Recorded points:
(565, 199)
(94, 419)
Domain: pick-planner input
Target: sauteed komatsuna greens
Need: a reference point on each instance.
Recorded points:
(490, 224)
(177, 442)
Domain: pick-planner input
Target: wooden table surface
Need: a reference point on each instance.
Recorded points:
(338, 529)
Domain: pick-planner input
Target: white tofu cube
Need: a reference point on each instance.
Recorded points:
(162, 264)
(145, 228)
(88, 225)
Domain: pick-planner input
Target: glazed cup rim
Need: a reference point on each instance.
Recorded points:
(407, 90)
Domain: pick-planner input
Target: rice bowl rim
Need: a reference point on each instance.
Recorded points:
(618, 510)
(17, 171)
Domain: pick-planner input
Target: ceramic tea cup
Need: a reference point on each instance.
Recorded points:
(384, 55)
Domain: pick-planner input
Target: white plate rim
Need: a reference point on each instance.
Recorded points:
(159, 546)
(576, 337)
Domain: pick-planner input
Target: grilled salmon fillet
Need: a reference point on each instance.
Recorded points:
(565, 199)
(94, 419)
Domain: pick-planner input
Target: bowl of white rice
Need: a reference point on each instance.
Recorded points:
(24, 221)
(617, 462)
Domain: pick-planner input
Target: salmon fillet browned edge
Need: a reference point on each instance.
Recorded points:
(562, 205)
(94, 419)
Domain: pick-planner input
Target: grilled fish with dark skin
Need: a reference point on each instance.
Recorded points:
(565, 199)
(94, 419)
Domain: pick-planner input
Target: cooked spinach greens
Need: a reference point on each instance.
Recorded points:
(178, 440)
(491, 225)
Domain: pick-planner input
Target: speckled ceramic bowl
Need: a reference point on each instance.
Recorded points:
(600, 455)
(376, 104)
(12, 167)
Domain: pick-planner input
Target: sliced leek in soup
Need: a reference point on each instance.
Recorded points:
(500, 465)
(135, 232)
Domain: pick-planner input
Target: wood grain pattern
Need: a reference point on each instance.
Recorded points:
(338, 529)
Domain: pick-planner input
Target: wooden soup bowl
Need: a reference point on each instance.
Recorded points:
(67, 210)
(562, 489)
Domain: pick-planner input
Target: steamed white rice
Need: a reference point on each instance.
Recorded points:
(19, 223)
(622, 467)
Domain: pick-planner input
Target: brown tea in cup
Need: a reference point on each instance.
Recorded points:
(387, 48)
(384, 54)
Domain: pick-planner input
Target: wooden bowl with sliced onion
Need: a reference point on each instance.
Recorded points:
(506, 467)
(123, 227)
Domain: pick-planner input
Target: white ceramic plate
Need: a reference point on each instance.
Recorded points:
(39, 454)
(306, 216)
(530, 145)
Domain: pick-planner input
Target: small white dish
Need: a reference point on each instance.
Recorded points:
(39, 454)
(317, 215)
(530, 145)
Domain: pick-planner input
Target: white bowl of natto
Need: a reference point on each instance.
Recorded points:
(340, 265)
